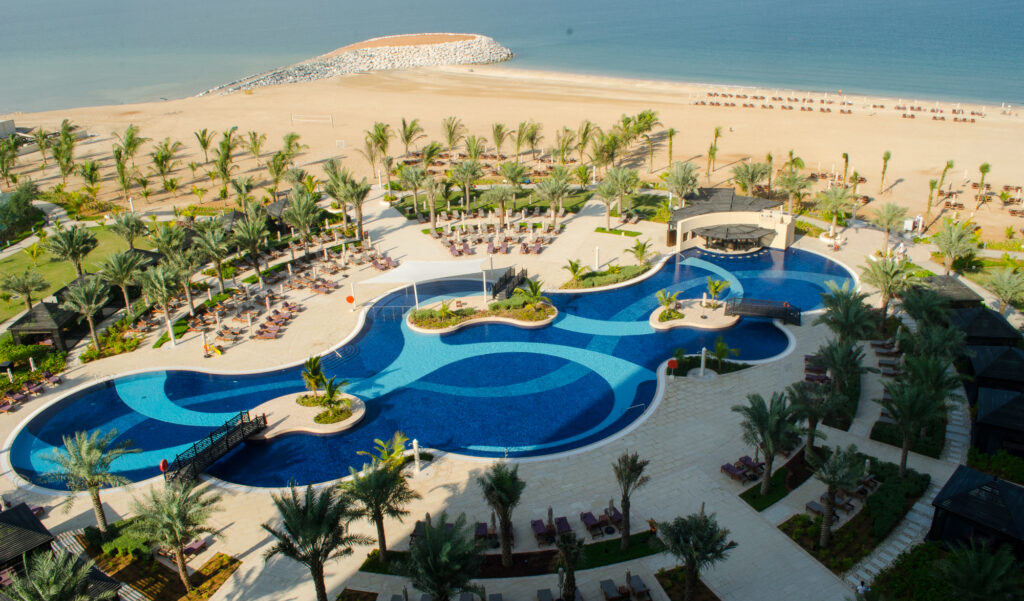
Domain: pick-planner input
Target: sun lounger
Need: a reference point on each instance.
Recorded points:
(194, 547)
(504, 247)
(34, 387)
(226, 337)
(593, 525)
(265, 336)
(614, 516)
(391, 262)
(15, 396)
(562, 525)
(541, 532)
(6, 408)
(455, 252)
(841, 503)
(638, 588)
(466, 250)
(480, 532)
(524, 249)
(544, 594)
(490, 248)
(751, 465)
(537, 248)
(816, 508)
(735, 473)
(611, 592)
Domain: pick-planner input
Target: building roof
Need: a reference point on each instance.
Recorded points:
(733, 232)
(721, 200)
(44, 317)
(997, 362)
(229, 219)
(1001, 408)
(984, 500)
(952, 289)
(21, 532)
(982, 323)
(98, 583)
(276, 208)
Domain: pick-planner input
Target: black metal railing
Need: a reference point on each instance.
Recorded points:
(187, 466)
(507, 283)
(754, 307)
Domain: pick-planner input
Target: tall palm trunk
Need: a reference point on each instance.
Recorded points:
(506, 541)
(127, 302)
(28, 302)
(359, 222)
(179, 560)
(97, 508)
(187, 285)
(170, 325)
(433, 219)
(812, 426)
(501, 209)
(220, 276)
(92, 331)
(382, 541)
(766, 480)
(827, 519)
(608, 219)
(255, 251)
(317, 572)
(625, 523)
(78, 268)
(569, 587)
(903, 455)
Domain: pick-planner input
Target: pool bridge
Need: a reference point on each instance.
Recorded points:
(753, 307)
(187, 466)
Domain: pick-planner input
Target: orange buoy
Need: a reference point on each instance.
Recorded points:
(163, 465)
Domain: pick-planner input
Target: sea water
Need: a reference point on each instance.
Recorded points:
(64, 53)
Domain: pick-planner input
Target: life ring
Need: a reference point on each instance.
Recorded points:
(163, 465)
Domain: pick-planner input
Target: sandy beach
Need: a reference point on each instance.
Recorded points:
(332, 115)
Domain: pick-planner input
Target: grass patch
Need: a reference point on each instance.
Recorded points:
(674, 583)
(58, 273)
(179, 327)
(252, 279)
(630, 233)
(513, 308)
(612, 275)
(608, 552)
(777, 489)
(308, 400)
(1002, 464)
(669, 315)
(808, 229)
(930, 444)
(329, 416)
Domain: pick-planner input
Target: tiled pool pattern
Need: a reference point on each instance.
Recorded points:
(490, 390)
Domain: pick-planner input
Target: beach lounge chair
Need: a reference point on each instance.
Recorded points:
(490, 248)
(842, 503)
(752, 465)
(6, 408)
(391, 262)
(816, 508)
(611, 592)
(194, 547)
(265, 336)
(544, 594)
(735, 473)
(466, 250)
(504, 247)
(455, 252)
(638, 589)
(537, 247)
(15, 396)
(593, 525)
(541, 532)
(562, 525)
(524, 249)
(34, 387)
(614, 516)
(480, 531)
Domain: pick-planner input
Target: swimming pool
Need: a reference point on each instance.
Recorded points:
(487, 391)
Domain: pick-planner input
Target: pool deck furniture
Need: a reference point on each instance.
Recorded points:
(750, 464)
(544, 594)
(638, 589)
(737, 473)
(614, 516)
(612, 592)
(593, 525)
(480, 531)
(562, 526)
(818, 509)
(542, 533)
(15, 396)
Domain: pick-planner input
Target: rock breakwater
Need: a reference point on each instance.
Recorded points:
(474, 51)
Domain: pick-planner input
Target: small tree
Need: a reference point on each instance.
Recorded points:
(629, 475)
(121, 269)
(26, 284)
(502, 489)
(721, 350)
(716, 287)
(841, 470)
(768, 427)
(912, 409)
(54, 576)
(380, 492)
(973, 572)
(641, 250)
(313, 375)
(87, 298)
(698, 542)
(576, 269)
(955, 241)
(570, 551)
(72, 244)
(443, 559)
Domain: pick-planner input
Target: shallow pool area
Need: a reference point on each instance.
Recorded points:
(487, 391)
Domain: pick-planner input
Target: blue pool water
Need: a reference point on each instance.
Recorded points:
(485, 391)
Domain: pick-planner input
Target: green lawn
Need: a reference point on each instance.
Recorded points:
(647, 204)
(58, 273)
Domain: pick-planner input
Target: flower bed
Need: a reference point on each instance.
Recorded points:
(930, 444)
(612, 275)
(795, 472)
(514, 308)
(669, 315)
(674, 583)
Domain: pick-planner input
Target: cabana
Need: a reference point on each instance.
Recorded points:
(414, 272)
(735, 236)
(725, 219)
(1000, 421)
(958, 294)
(999, 367)
(46, 322)
(984, 327)
(973, 505)
(21, 534)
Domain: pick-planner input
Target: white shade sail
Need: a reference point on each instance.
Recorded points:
(412, 272)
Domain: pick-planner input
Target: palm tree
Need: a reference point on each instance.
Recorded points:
(213, 244)
(716, 287)
(34, 252)
(514, 173)
(431, 190)
(846, 313)
(812, 402)
(912, 409)
(641, 250)
(41, 136)
(205, 138)
(158, 285)
(291, 147)
(380, 492)
(974, 572)
(955, 241)
(984, 168)
(55, 576)
(712, 155)
(629, 475)
(409, 133)
(90, 172)
(698, 542)
(576, 269)
(931, 375)
(585, 133)
(499, 195)
(26, 284)
(533, 138)
(313, 375)
(390, 452)
(889, 217)
(87, 298)
(430, 152)
(83, 465)
(454, 132)
(277, 166)
(302, 214)
(670, 135)
(885, 166)
(840, 471)
(174, 516)
(768, 427)
(749, 175)
(625, 181)
(168, 238)
(553, 190)
(121, 269)
(413, 176)
(444, 559)
(570, 550)
(186, 263)
(72, 244)
(721, 350)
(249, 233)
(565, 141)
(254, 144)
(945, 170)
(314, 530)
(926, 307)
(502, 489)
(835, 201)
(606, 193)
(532, 293)
(499, 133)
(892, 278)
(465, 173)
(681, 180)
(794, 185)
(475, 147)
(131, 141)
(1008, 286)
(355, 194)
(665, 299)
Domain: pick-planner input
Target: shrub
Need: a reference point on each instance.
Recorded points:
(125, 545)
(612, 275)
(513, 302)
(669, 315)
(912, 575)
(1002, 464)
(930, 444)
